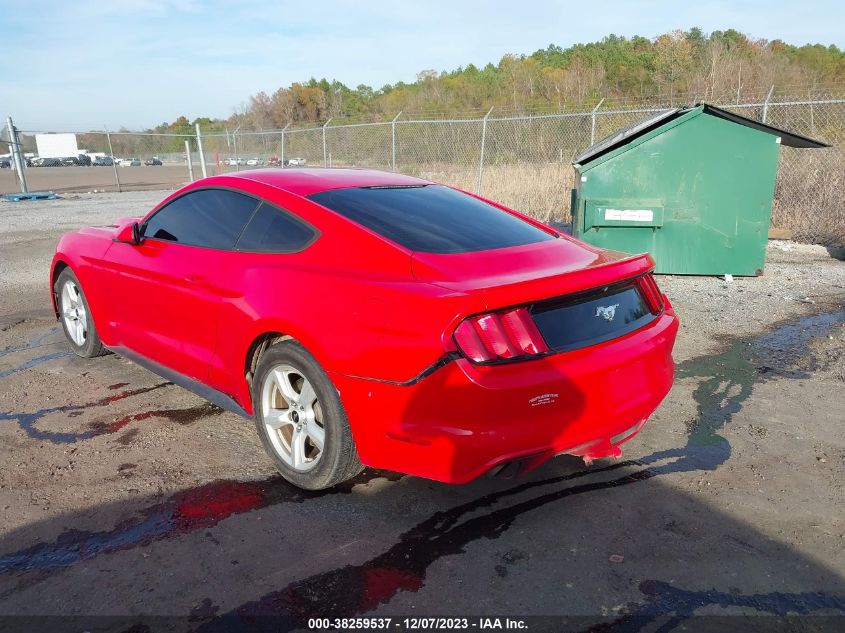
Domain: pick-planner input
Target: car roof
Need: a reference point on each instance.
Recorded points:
(308, 180)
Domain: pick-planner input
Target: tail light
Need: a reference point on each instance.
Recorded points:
(652, 293)
(500, 336)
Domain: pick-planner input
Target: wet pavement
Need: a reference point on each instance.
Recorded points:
(124, 496)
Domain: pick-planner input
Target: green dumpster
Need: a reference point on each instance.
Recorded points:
(692, 186)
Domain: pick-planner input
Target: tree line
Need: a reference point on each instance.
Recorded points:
(675, 67)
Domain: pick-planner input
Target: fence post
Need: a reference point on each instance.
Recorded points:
(14, 146)
(202, 155)
(393, 141)
(235, 145)
(325, 155)
(282, 157)
(481, 153)
(766, 103)
(113, 161)
(812, 120)
(190, 162)
(593, 121)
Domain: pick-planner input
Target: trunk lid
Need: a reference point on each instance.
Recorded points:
(528, 273)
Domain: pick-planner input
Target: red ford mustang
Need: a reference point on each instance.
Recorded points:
(364, 317)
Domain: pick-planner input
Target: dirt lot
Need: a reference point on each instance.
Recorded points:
(123, 495)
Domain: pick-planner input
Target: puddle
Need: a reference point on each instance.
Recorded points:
(32, 362)
(728, 379)
(179, 416)
(185, 512)
(784, 349)
(37, 341)
(34, 343)
(27, 421)
(672, 607)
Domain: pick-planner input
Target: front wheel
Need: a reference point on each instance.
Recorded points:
(300, 419)
(75, 316)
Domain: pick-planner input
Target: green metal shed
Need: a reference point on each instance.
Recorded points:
(692, 186)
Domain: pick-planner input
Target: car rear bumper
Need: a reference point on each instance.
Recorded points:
(463, 420)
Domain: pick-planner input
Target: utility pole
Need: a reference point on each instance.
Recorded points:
(202, 156)
(113, 161)
(17, 155)
(282, 156)
(325, 155)
(393, 141)
(481, 153)
(235, 143)
(766, 103)
(593, 121)
(190, 162)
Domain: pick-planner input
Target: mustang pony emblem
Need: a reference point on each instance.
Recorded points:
(606, 312)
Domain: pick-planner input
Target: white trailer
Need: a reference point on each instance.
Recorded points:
(56, 145)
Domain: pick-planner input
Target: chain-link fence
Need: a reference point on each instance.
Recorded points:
(521, 161)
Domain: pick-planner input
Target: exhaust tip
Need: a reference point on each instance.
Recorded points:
(510, 469)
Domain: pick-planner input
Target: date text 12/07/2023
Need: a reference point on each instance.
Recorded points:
(416, 623)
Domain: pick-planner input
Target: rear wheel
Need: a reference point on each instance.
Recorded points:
(300, 419)
(75, 316)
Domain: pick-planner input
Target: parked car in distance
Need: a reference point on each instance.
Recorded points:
(295, 162)
(154, 161)
(103, 161)
(129, 162)
(369, 318)
(46, 162)
(70, 161)
(5, 162)
(231, 162)
(84, 160)
(274, 161)
(254, 162)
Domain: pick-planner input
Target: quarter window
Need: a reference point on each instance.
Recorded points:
(212, 218)
(274, 231)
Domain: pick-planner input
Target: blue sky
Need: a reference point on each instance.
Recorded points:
(80, 64)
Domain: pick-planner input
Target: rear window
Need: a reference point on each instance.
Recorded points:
(431, 218)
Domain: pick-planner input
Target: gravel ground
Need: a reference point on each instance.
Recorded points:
(123, 495)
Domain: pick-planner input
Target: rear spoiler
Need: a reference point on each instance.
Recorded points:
(565, 283)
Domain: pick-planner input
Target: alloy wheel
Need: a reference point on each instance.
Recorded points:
(293, 417)
(73, 313)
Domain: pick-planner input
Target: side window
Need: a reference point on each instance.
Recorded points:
(213, 218)
(274, 231)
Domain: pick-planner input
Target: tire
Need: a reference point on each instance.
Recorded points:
(296, 408)
(75, 316)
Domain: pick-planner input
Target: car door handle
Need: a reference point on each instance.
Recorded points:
(193, 278)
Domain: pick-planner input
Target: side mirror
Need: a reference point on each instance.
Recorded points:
(129, 234)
